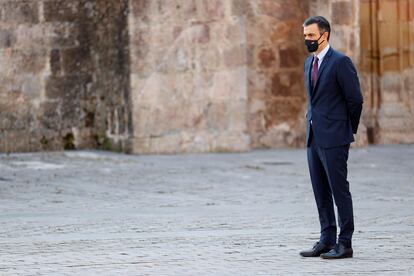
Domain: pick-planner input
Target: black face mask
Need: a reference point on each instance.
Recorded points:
(313, 45)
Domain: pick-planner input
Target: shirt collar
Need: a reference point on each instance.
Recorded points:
(322, 54)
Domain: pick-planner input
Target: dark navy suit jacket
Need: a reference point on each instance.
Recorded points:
(335, 104)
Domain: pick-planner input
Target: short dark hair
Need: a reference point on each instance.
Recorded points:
(323, 24)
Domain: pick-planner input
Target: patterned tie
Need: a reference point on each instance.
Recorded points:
(314, 72)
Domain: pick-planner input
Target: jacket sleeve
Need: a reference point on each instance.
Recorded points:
(347, 78)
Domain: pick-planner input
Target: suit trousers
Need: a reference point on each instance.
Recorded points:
(328, 173)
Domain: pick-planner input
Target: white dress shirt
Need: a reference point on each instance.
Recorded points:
(322, 55)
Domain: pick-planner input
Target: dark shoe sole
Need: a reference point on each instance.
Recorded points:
(302, 254)
(327, 257)
(309, 256)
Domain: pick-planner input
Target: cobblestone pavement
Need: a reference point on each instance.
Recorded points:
(90, 213)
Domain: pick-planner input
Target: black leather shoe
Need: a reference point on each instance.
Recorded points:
(339, 252)
(317, 250)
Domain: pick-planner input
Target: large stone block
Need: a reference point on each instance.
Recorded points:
(20, 11)
(281, 136)
(15, 119)
(279, 9)
(290, 57)
(342, 13)
(48, 35)
(50, 115)
(235, 56)
(16, 61)
(288, 84)
(32, 36)
(71, 87)
(211, 9)
(16, 141)
(76, 60)
(282, 110)
(19, 90)
(61, 10)
(63, 35)
(266, 57)
(55, 62)
(7, 38)
(200, 33)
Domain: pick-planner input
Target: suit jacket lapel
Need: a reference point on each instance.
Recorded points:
(323, 66)
(307, 75)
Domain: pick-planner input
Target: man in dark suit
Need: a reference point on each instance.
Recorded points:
(334, 110)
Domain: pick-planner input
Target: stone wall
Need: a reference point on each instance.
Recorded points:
(277, 99)
(217, 75)
(64, 74)
(188, 76)
(198, 65)
(158, 76)
(387, 64)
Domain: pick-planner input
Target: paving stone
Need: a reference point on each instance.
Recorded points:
(99, 213)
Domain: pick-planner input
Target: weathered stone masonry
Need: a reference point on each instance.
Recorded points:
(64, 74)
(165, 76)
